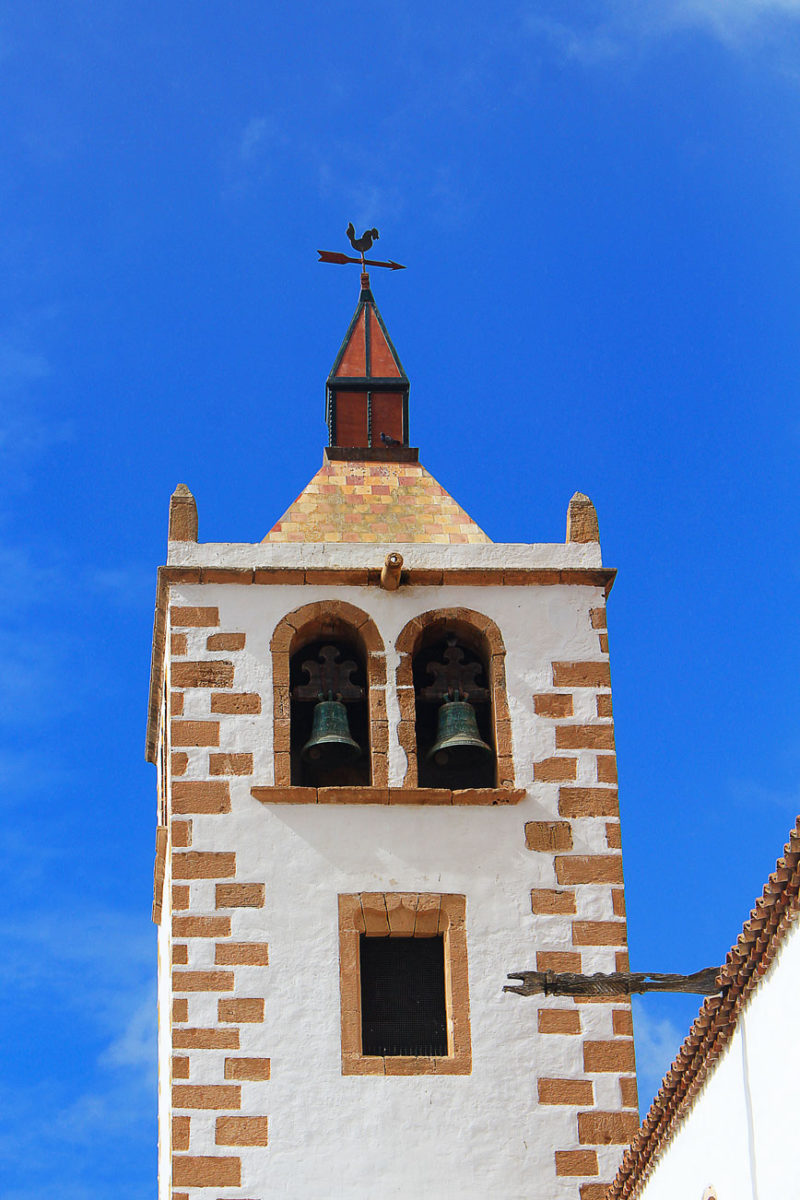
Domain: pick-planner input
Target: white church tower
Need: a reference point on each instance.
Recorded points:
(386, 779)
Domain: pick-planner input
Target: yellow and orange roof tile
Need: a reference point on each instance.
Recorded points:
(375, 502)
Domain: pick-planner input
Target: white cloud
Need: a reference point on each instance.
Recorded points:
(25, 771)
(255, 138)
(730, 16)
(19, 366)
(38, 684)
(657, 1040)
(360, 184)
(755, 797)
(32, 578)
(36, 657)
(95, 970)
(620, 27)
(579, 43)
(136, 1044)
(451, 205)
(26, 579)
(26, 432)
(128, 586)
(42, 591)
(738, 23)
(94, 959)
(77, 1146)
(252, 154)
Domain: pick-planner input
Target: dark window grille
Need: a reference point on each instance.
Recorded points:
(402, 996)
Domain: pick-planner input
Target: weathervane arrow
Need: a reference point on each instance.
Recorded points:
(334, 256)
(361, 244)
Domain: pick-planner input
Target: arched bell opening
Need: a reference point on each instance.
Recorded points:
(328, 691)
(453, 712)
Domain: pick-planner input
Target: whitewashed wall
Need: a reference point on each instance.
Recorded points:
(741, 1133)
(164, 1023)
(428, 1137)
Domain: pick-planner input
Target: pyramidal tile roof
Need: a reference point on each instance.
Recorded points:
(358, 501)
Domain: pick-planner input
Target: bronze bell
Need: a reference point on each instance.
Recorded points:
(458, 742)
(330, 743)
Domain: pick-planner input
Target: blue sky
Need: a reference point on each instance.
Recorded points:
(598, 207)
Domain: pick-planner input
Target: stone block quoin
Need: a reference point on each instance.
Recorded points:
(581, 805)
(196, 1161)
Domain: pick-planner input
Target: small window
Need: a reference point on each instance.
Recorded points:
(402, 996)
(404, 984)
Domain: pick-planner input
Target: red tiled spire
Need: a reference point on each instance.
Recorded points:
(367, 390)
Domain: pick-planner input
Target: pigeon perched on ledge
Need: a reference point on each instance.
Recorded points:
(363, 243)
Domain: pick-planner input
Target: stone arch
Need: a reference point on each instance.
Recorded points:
(329, 618)
(482, 634)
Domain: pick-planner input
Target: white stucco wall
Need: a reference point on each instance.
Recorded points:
(740, 1134)
(428, 1137)
(164, 1016)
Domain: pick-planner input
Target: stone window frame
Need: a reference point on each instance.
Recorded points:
(405, 914)
(482, 635)
(334, 619)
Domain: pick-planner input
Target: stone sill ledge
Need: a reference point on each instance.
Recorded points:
(392, 795)
(407, 1065)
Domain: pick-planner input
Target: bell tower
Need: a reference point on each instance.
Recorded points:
(386, 780)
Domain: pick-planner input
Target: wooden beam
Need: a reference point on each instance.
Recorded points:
(620, 983)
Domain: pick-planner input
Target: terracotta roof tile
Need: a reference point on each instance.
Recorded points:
(375, 502)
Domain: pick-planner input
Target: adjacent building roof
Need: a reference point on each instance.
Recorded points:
(362, 501)
(756, 947)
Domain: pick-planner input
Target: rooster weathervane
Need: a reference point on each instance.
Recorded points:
(361, 244)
